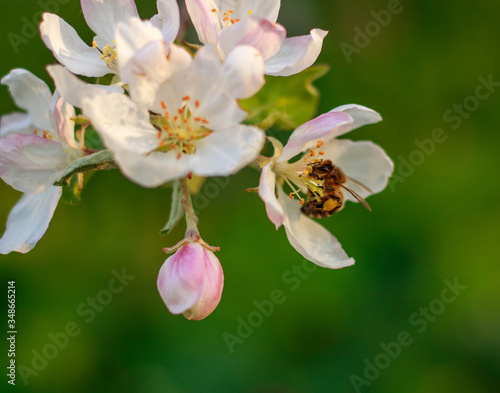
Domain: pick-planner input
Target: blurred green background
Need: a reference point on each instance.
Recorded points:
(438, 223)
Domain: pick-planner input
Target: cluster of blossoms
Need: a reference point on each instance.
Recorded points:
(171, 112)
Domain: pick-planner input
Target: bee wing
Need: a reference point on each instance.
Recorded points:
(357, 196)
(357, 185)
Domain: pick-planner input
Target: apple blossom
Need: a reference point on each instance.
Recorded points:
(363, 161)
(195, 126)
(35, 149)
(228, 24)
(103, 17)
(190, 282)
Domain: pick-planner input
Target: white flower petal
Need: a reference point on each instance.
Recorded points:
(103, 16)
(253, 31)
(363, 161)
(241, 75)
(63, 115)
(220, 154)
(28, 221)
(73, 89)
(32, 94)
(267, 9)
(69, 49)
(310, 239)
(168, 19)
(224, 153)
(243, 72)
(217, 105)
(267, 192)
(154, 169)
(203, 20)
(121, 123)
(30, 163)
(142, 59)
(296, 54)
(16, 123)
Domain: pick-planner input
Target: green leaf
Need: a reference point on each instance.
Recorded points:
(285, 102)
(176, 211)
(102, 160)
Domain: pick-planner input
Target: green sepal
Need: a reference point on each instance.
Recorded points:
(177, 209)
(285, 102)
(99, 161)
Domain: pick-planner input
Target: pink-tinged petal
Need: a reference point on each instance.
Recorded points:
(337, 122)
(191, 281)
(30, 163)
(63, 115)
(32, 94)
(308, 134)
(169, 16)
(361, 116)
(263, 35)
(69, 49)
(267, 192)
(16, 123)
(243, 72)
(310, 239)
(222, 153)
(296, 54)
(121, 124)
(142, 59)
(363, 161)
(204, 20)
(73, 89)
(28, 221)
(103, 16)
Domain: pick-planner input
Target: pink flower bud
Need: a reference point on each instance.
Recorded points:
(191, 281)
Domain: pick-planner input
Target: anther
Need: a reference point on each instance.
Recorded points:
(163, 105)
(187, 98)
(302, 201)
(179, 155)
(160, 134)
(321, 153)
(250, 12)
(320, 143)
(197, 103)
(291, 195)
(311, 153)
(214, 10)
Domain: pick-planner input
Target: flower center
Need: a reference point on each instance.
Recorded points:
(302, 176)
(108, 55)
(226, 19)
(180, 130)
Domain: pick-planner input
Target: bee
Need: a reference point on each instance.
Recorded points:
(333, 183)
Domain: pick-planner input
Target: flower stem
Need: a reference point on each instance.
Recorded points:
(191, 219)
